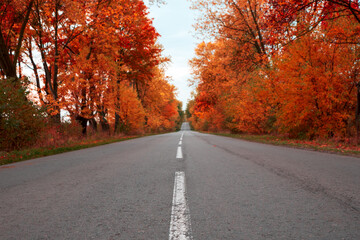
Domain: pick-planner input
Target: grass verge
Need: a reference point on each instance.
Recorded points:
(331, 146)
(26, 154)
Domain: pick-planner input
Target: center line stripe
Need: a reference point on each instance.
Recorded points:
(179, 153)
(180, 225)
(180, 142)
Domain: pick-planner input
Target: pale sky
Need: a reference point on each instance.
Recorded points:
(174, 21)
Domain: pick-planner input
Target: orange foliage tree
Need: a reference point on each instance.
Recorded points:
(315, 85)
(14, 18)
(98, 62)
(229, 69)
(296, 76)
(160, 103)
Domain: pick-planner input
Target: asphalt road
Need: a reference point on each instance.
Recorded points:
(224, 189)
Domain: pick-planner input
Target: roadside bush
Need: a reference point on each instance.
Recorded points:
(58, 135)
(20, 120)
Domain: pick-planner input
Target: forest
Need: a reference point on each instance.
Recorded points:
(283, 67)
(70, 69)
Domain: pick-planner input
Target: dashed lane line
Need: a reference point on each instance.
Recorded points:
(179, 152)
(180, 225)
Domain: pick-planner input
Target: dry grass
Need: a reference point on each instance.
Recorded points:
(341, 146)
(63, 138)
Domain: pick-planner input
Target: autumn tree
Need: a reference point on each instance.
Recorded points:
(54, 26)
(96, 61)
(290, 20)
(315, 87)
(160, 103)
(293, 73)
(226, 94)
(181, 116)
(89, 49)
(14, 18)
(240, 21)
(20, 119)
(230, 66)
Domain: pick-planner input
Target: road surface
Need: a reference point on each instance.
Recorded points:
(182, 185)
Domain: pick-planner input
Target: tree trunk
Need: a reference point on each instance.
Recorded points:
(93, 124)
(117, 123)
(7, 64)
(105, 127)
(83, 122)
(56, 118)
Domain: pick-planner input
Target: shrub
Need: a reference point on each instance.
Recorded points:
(20, 120)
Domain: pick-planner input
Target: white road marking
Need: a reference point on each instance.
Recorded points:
(182, 135)
(180, 142)
(179, 153)
(180, 225)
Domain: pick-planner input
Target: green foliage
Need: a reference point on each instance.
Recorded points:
(20, 120)
(181, 116)
(189, 105)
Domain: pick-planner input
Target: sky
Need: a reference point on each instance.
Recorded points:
(174, 21)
